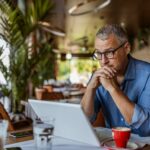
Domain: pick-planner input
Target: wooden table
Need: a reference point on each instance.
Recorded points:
(12, 140)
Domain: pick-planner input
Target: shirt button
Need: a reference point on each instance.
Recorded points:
(121, 119)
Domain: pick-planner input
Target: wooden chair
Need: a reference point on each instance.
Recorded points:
(4, 115)
(99, 122)
(13, 125)
(53, 96)
(47, 93)
(49, 88)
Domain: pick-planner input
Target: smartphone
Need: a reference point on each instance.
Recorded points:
(13, 148)
(21, 134)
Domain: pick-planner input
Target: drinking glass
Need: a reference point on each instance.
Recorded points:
(3, 133)
(43, 134)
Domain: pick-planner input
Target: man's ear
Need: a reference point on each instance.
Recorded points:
(127, 47)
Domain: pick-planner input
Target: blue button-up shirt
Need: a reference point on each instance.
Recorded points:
(136, 86)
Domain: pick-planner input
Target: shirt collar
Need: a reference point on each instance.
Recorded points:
(130, 72)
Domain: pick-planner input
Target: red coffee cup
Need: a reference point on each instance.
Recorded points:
(121, 136)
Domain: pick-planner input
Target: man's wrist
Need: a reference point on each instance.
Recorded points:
(91, 88)
(113, 90)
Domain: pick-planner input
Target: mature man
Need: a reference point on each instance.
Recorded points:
(121, 87)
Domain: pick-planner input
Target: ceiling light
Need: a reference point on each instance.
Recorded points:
(68, 56)
(75, 10)
(49, 28)
(54, 31)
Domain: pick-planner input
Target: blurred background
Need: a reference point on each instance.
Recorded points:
(73, 24)
(51, 41)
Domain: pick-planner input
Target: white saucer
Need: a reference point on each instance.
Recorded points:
(110, 144)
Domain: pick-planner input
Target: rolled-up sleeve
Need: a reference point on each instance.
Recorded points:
(141, 115)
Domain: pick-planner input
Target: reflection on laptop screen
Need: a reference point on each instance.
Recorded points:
(70, 120)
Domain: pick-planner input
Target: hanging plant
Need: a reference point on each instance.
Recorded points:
(18, 29)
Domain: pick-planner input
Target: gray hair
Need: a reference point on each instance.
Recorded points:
(104, 32)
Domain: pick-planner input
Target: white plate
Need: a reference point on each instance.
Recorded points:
(74, 93)
(110, 144)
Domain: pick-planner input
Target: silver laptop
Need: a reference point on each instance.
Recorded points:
(70, 120)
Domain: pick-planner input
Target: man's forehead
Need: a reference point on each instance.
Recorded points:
(110, 38)
(105, 44)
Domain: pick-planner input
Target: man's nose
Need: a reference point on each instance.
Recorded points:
(104, 59)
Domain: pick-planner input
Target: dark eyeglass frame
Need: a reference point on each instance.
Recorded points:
(108, 52)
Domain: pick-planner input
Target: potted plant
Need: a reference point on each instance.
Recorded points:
(21, 30)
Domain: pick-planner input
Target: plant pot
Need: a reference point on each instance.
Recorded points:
(39, 93)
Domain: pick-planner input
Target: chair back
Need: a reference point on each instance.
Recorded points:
(53, 96)
(47, 93)
(100, 121)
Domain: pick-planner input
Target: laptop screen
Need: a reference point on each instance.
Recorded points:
(70, 120)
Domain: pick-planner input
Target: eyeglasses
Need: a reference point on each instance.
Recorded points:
(109, 54)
